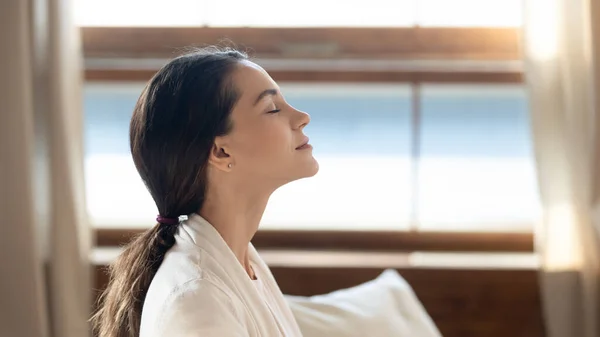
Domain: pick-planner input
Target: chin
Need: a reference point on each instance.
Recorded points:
(309, 168)
(305, 170)
(313, 168)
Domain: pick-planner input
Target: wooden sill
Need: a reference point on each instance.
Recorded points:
(381, 241)
(353, 259)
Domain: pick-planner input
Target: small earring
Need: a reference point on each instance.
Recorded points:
(230, 165)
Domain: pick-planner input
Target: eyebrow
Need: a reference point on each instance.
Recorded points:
(268, 92)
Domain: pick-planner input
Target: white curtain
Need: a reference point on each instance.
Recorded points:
(561, 69)
(45, 287)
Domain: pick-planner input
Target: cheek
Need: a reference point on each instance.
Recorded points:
(269, 141)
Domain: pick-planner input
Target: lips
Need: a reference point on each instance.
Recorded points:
(304, 144)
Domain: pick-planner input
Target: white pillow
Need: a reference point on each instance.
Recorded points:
(383, 307)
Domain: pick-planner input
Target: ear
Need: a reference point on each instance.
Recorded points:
(220, 156)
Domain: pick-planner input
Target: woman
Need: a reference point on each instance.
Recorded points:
(212, 138)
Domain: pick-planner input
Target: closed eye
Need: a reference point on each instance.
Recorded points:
(274, 109)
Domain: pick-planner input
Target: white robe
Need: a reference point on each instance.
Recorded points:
(201, 290)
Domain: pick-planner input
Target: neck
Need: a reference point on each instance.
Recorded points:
(235, 212)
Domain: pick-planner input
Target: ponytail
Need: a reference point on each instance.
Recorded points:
(119, 310)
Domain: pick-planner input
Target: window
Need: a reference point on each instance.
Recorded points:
(475, 168)
(462, 163)
(419, 117)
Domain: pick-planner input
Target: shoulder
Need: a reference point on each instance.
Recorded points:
(188, 294)
(199, 303)
(198, 307)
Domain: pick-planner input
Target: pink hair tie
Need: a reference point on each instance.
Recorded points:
(170, 221)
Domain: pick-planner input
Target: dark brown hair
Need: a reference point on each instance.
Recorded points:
(183, 108)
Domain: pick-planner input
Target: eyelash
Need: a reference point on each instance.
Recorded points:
(274, 111)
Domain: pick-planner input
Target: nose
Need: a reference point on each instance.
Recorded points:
(302, 119)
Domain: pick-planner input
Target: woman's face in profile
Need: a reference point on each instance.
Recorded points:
(267, 142)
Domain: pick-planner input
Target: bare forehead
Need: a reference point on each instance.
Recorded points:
(251, 79)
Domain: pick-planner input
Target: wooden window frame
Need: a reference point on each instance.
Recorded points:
(322, 43)
(404, 45)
